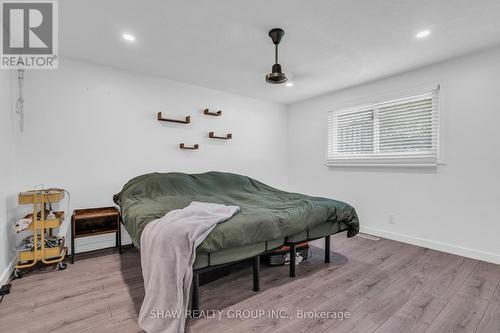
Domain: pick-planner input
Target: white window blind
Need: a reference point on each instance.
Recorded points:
(396, 132)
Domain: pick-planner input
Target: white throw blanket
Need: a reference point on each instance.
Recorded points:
(168, 251)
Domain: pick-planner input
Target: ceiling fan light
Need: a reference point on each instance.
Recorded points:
(276, 76)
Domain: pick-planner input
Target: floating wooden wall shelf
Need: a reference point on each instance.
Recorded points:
(216, 114)
(227, 137)
(187, 121)
(182, 146)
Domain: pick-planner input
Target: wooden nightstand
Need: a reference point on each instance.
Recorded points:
(93, 222)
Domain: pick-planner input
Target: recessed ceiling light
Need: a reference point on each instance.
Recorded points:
(289, 84)
(129, 37)
(423, 34)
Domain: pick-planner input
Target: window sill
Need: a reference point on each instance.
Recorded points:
(385, 165)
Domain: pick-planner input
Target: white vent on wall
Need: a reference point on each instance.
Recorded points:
(397, 132)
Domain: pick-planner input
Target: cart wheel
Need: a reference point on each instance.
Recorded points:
(61, 265)
(18, 274)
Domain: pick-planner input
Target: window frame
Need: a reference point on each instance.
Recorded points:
(429, 158)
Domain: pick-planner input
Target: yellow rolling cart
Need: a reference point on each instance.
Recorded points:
(41, 227)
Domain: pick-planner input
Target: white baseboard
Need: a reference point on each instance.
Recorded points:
(7, 271)
(439, 246)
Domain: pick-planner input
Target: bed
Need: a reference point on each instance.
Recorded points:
(269, 218)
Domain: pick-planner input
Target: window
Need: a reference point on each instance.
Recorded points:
(397, 132)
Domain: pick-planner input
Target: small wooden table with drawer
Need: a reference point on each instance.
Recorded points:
(93, 222)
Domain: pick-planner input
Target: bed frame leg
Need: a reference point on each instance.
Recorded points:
(327, 249)
(195, 301)
(119, 240)
(293, 258)
(256, 273)
(119, 235)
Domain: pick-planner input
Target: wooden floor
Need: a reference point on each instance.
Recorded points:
(386, 286)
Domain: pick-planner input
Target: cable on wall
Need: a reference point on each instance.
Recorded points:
(20, 99)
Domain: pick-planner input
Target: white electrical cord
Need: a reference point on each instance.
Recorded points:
(20, 99)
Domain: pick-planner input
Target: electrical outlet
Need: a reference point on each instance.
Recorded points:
(392, 219)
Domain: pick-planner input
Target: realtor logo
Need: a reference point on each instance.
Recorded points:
(29, 34)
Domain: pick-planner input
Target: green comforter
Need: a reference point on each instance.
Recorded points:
(266, 213)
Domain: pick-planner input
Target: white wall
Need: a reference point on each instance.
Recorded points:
(7, 173)
(454, 208)
(89, 129)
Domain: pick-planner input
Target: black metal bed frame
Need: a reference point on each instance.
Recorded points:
(195, 289)
(292, 246)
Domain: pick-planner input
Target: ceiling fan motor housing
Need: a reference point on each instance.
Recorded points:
(277, 76)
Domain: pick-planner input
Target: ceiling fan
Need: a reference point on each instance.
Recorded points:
(276, 76)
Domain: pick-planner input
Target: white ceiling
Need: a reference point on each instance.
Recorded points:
(223, 44)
